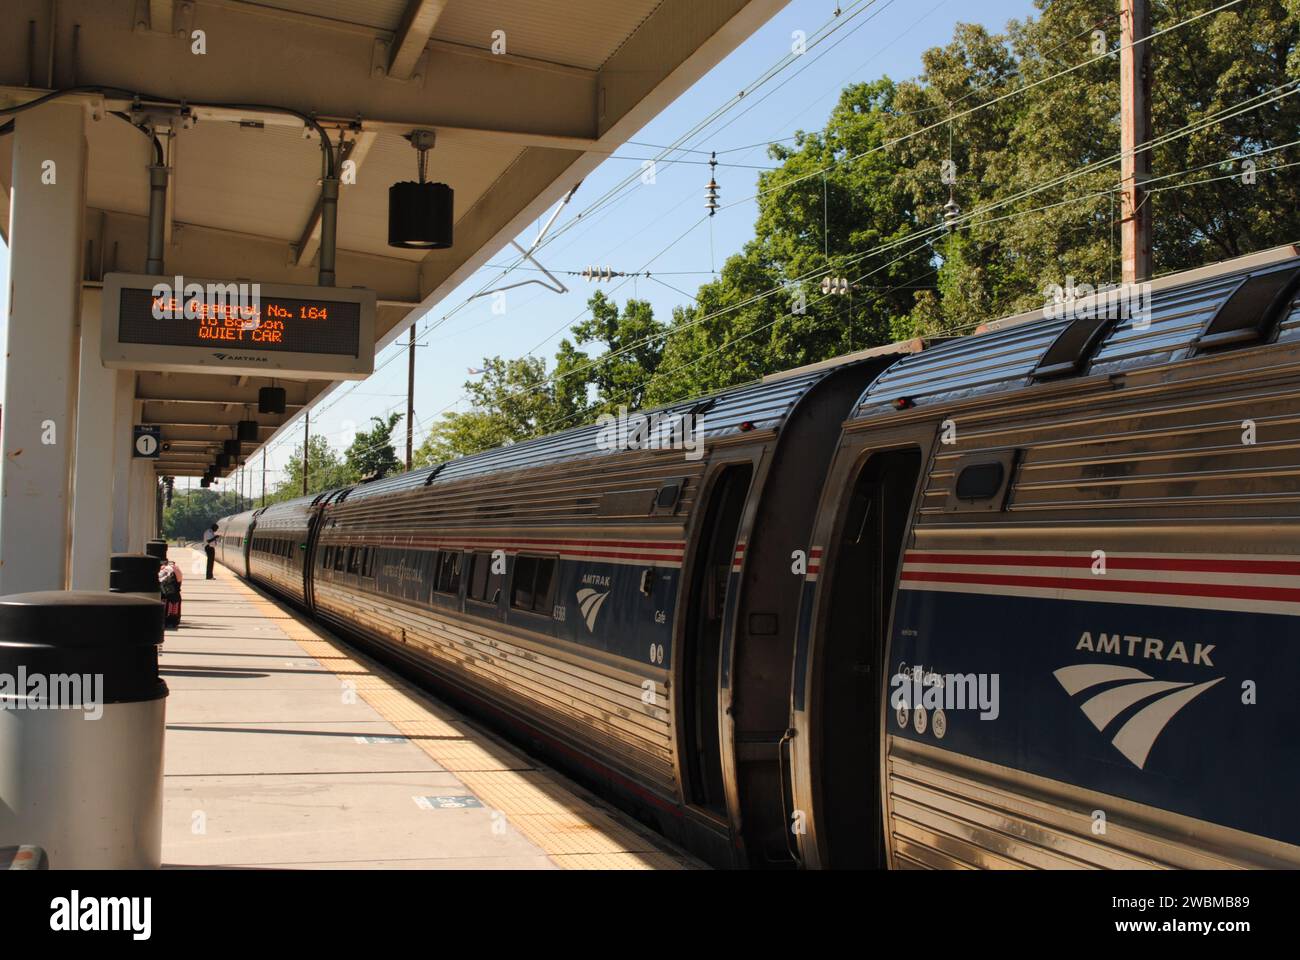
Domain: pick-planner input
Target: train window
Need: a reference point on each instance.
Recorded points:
(484, 584)
(339, 555)
(667, 497)
(534, 578)
(447, 579)
(368, 562)
(352, 559)
(982, 481)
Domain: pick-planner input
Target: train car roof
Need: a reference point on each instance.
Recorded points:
(299, 505)
(1175, 317)
(726, 414)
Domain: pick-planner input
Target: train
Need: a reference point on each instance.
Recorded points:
(1023, 598)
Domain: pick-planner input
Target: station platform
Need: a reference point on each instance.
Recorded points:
(286, 748)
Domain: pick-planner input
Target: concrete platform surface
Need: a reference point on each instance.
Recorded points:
(288, 749)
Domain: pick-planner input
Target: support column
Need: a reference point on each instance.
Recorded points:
(123, 420)
(92, 494)
(144, 504)
(45, 269)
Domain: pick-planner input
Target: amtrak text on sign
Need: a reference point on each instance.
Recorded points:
(180, 324)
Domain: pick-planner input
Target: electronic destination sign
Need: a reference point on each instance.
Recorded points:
(180, 324)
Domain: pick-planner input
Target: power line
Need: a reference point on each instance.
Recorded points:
(1022, 195)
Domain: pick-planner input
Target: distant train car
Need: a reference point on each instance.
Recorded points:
(232, 544)
(1023, 598)
(279, 553)
(1073, 546)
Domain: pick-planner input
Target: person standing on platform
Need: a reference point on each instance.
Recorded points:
(210, 546)
(169, 584)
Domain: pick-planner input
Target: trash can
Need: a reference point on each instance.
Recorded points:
(134, 573)
(156, 548)
(81, 729)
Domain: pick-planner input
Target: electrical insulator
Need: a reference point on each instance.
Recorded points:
(711, 191)
(836, 285)
(599, 274)
(951, 213)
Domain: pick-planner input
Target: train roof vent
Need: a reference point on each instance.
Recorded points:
(1251, 312)
(1074, 346)
(706, 404)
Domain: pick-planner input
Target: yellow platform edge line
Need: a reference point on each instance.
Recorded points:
(573, 833)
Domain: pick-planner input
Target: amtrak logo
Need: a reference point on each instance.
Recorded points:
(1125, 687)
(589, 602)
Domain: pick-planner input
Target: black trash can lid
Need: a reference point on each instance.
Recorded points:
(79, 619)
(124, 558)
(114, 636)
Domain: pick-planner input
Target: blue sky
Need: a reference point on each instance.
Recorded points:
(650, 227)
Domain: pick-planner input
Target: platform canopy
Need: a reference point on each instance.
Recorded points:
(514, 132)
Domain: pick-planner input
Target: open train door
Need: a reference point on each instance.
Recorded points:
(840, 707)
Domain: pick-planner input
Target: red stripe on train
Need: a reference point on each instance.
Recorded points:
(1183, 564)
(1102, 584)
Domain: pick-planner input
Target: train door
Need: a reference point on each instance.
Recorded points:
(310, 540)
(863, 575)
(702, 640)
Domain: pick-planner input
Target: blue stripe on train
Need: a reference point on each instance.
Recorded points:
(1213, 754)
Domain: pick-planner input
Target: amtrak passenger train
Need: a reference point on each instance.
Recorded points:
(1025, 598)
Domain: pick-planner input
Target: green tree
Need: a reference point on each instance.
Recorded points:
(949, 200)
(819, 217)
(193, 511)
(371, 452)
(512, 401)
(633, 346)
(325, 471)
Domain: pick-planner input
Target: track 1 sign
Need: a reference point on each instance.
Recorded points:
(146, 441)
(184, 325)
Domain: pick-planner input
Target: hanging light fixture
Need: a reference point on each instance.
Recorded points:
(231, 447)
(270, 400)
(420, 213)
(221, 461)
(246, 431)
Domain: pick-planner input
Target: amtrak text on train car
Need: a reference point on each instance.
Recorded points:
(1151, 648)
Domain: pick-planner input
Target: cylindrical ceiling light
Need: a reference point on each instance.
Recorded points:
(270, 400)
(246, 431)
(420, 214)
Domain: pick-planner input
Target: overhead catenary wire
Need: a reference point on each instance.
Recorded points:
(1057, 181)
(833, 24)
(1265, 98)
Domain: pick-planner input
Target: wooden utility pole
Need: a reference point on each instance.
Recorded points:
(306, 446)
(410, 397)
(264, 476)
(1135, 130)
